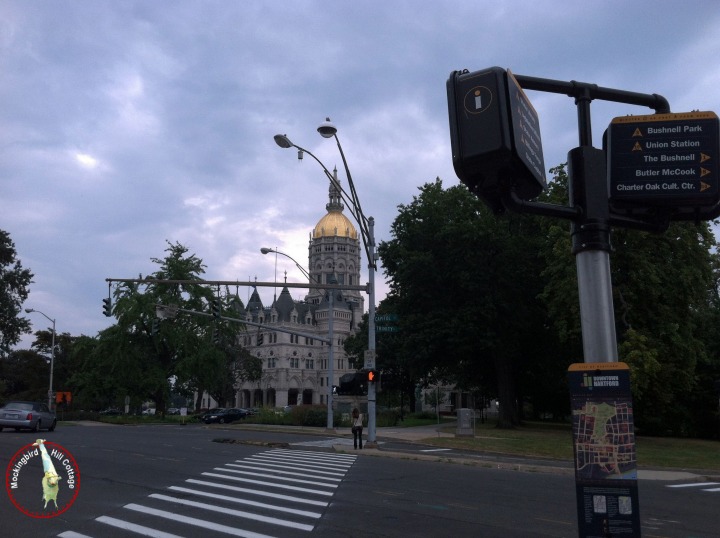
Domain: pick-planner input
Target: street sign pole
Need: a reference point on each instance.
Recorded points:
(497, 154)
(591, 246)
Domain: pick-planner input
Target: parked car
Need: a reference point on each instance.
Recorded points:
(173, 411)
(201, 417)
(110, 412)
(223, 416)
(27, 416)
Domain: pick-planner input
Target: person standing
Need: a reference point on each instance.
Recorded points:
(357, 427)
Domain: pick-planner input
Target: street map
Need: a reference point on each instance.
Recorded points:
(604, 440)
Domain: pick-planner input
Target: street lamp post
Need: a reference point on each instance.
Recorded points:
(331, 335)
(52, 354)
(367, 232)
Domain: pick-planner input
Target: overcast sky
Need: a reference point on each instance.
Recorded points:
(126, 124)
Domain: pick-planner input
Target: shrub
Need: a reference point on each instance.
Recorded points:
(312, 415)
(387, 417)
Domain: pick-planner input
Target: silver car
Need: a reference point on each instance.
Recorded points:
(27, 415)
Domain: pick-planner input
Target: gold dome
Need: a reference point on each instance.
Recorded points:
(335, 224)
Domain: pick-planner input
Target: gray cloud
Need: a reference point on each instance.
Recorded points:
(126, 124)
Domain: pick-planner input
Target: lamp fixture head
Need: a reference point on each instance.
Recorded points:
(283, 141)
(29, 310)
(266, 250)
(327, 129)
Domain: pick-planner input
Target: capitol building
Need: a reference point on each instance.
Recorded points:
(295, 368)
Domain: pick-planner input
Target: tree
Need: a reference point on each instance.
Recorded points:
(25, 375)
(14, 282)
(63, 362)
(399, 375)
(665, 299)
(146, 357)
(466, 283)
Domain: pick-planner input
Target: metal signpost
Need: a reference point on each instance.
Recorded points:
(657, 168)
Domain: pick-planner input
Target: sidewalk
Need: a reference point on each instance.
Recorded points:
(419, 433)
(424, 432)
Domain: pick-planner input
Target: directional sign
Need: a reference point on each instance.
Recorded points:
(383, 318)
(526, 130)
(495, 135)
(666, 160)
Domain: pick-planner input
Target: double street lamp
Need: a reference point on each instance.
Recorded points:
(52, 353)
(367, 233)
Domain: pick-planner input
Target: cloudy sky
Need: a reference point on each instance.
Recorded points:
(126, 124)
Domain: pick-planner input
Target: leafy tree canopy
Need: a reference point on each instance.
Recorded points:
(14, 282)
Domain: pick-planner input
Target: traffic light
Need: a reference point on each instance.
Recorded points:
(107, 306)
(215, 308)
(155, 327)
(216, 336)
(372, 376)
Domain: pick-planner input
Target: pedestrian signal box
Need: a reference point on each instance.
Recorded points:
(372, 376)
(495, 136)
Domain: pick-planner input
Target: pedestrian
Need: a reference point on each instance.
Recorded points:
(357, 427)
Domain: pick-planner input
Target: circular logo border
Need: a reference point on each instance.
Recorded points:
(8, 479)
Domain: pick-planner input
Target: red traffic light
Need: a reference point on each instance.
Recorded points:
(372, 376)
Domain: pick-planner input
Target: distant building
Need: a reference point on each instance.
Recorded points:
(295, 368)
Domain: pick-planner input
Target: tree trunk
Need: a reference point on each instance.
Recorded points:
(508, 412)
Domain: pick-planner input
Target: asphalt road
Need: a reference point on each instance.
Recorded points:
(175, 480)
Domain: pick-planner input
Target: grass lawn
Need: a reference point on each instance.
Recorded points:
(555, 441)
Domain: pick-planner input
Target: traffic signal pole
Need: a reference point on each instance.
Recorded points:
(495, 140)
(589, 212)
(587, 173)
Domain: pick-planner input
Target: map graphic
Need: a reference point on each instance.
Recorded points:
(604, 439)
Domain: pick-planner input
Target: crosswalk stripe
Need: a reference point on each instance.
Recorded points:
(275, 477)
(133, 527)
(257, 492)
(260, 467)
(315, 456)
(323, 455)
(270, 484)
(231, 512)
(208, 525)
(302, 462)
(693, 485)
(284, 466)
(712, 489)
(248, 502)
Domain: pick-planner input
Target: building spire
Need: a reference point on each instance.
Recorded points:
(335, 203)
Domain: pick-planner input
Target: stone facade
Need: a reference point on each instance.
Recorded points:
(295, 366)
